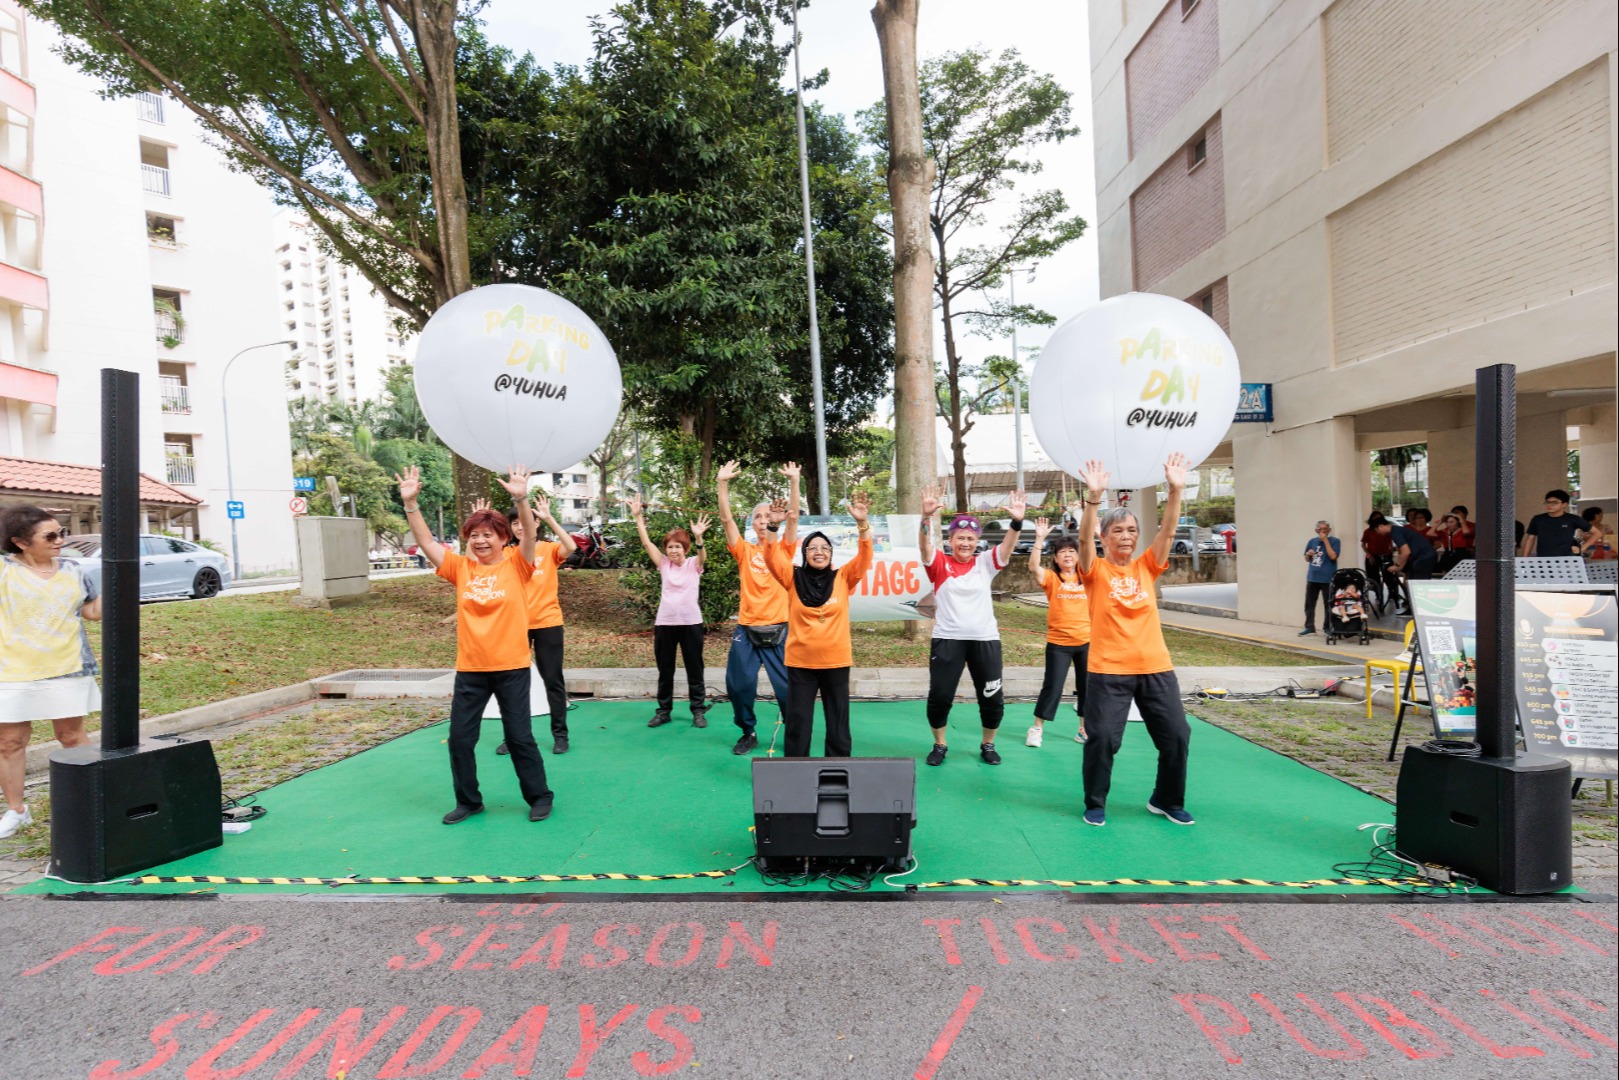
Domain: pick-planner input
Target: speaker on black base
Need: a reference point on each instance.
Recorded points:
(117, 812)
(1504, 821)
(860, 809)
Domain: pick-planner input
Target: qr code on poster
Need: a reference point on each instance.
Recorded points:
(1441, 640)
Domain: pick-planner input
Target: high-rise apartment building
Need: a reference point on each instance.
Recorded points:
(154, 261)
(348, 335)
(1375, 198)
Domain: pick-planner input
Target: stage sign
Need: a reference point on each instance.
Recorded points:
(896, 586)
(1447, 632)
(1254, 405)
(1566, 653)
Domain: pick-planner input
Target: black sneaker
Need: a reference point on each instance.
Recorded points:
(746, 743)
(659, 719)
(560, 745)
(987, 752)
(461, 813)
(502, 749)
(540, 810)
(699, 718)
(936, 755)
(1308, 631)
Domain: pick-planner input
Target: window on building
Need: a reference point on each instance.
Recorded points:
(1187, 6)
(161, 229)
(556, 479)
(1206, 302)
(1198, 152)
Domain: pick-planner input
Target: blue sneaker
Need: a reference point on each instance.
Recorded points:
(1179, 815)
(1097, 816)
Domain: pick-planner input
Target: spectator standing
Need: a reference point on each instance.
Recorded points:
(1414, 560)
(1602, 546)
(1556, 532)
(1321, 562)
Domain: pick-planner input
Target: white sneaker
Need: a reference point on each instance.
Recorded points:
(1033, 738)
(1079, 736)
(12, 820)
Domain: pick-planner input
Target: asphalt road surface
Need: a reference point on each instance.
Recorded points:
(962, 986)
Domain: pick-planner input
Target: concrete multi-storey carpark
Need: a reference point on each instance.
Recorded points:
(1374, 198)
(128, 243)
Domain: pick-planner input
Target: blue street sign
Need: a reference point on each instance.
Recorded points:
(235, 510)
(303, 483)
(1254, 405)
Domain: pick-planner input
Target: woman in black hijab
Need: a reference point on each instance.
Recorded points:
(819, 652)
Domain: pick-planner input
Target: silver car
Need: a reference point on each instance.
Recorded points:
(169, 566)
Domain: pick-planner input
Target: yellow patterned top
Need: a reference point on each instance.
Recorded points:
(41, 633)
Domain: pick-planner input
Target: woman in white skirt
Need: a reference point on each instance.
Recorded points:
(47, 671)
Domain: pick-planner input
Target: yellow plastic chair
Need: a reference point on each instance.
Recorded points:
(1397, 666)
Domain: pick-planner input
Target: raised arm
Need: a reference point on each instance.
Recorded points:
(728, 472)
(698, 528)
(516, 485)
(410, 486)
(855, 569)
(1175, 476)
(1095, 479)
(542, 511)
(1017, 505)
(775, 515)
(1042, 529)
(638, 512)
(793, 473)
(932, 503)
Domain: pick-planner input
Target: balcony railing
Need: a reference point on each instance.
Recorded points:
(149, 106)
(180, 468)
(155, 179)
(167, 328)
(175, 395)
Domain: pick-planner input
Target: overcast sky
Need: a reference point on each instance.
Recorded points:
(1052, 36)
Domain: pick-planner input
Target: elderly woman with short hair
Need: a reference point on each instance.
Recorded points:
(1129, 661)
(47, 671)
(679, 622)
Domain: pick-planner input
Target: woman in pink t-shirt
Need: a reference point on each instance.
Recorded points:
(679, 624)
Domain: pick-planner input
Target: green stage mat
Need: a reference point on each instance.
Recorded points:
(675, 800)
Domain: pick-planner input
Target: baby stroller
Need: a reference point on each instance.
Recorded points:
(1346, 608)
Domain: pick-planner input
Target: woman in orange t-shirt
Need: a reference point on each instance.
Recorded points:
(1129, 661)
(491, 641)
(819, 651)
(1068, 628)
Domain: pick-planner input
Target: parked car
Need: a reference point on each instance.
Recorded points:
(1217, 539)
(169, 566)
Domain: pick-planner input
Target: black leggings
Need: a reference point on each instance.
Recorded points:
(982, 659)
(547, 646)
(689, 640)
(802, 685)
(1058, 660)
(1158, 696)
(511, 690)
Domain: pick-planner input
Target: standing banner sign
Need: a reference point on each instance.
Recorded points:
(896, 586)
(1567, 683)
(1447, 631)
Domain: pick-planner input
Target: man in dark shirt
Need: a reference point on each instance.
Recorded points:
(1556, 532)
(1414, 558)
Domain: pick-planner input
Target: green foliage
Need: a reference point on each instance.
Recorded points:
(357, 476)
(393, 456)
(1217, 510)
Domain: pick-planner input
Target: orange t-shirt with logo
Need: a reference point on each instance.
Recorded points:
(1068, 610)
(1126, 637)
(544, 609)
(491, 612)
(764, 602)
(819, 637)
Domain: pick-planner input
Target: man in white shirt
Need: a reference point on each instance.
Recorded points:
(965, 633)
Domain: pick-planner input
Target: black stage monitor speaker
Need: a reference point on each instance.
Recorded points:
(1505, 821)
(833, 808)
(115, 813)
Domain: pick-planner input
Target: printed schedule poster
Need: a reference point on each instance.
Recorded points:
(1447, 629)
(1568, 689)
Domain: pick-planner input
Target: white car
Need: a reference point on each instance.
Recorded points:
(169, 566)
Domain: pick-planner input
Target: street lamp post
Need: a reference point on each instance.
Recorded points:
(1017, 374)
(809, 274)
(230, 475)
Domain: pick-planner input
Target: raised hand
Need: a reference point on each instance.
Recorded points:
(480, 504)
(1017, 504)
(541, 504)
(700, 526)
(931, 500)
(410, 483)
(636, 506)
(728, 472)
(859, 506)
(792, 470)
(1175, 470)
(516, 482)
(1042, 529)
(777, 512)
(1095, 478)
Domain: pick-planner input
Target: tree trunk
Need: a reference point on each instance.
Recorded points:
(910, 184)
(952, 370)
(706, 467)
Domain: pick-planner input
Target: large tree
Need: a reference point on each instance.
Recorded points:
(984, 120)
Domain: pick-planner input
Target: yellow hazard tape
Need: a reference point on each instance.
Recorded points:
(999, 883)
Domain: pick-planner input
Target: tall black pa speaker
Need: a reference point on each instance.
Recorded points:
(1505, 821)
(833, 808)
(119, 812)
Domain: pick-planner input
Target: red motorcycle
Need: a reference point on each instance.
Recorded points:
(590, 550)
